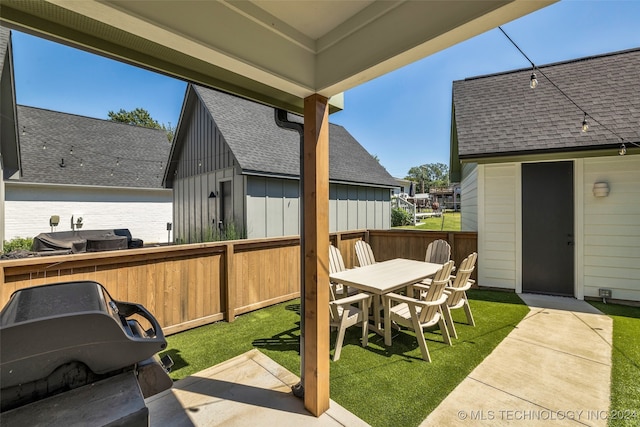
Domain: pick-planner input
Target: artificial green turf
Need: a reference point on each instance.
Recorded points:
(625, 361)
(449, 221)
(384, 386)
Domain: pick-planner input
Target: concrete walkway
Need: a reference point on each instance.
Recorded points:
(553, 369)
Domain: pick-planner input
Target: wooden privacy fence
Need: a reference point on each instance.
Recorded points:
(185, 286)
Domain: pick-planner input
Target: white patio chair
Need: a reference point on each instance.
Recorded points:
(364, 253)
(438, 252)
(457, 293)
(419, 314)
(345, 313)
(336, 265)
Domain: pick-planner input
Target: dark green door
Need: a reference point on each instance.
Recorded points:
(547, 228)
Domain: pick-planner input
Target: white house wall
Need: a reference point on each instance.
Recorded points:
(607, 228)
(28, 209)
(612, 227)
(469, 197)
(498, 195)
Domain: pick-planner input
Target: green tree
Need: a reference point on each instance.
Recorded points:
(141, 117)
(429, 175)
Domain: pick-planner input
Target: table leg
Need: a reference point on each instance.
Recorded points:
(387, 321)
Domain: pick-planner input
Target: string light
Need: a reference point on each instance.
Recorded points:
(44, 145)
(585, 124)
(533, 83)
(111, 172)
(23, 131)
(71, 150)
(81, 162)
(117, 161)
(199, 163)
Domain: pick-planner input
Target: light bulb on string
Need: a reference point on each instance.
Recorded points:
(623, 149)
(117, 161)
(585, 124)
(44, 145)
(71, 150)
(81, 162)
(533, 83)
(111, 172)
(23, 131)
(199, 163)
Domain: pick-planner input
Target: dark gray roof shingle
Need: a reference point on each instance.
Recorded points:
(500, 114)
(105, 153)
(261, 146)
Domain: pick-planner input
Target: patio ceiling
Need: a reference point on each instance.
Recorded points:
(275, 52)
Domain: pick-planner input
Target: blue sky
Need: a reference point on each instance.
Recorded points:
(403, 117)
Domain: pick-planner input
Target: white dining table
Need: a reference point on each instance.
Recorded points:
(382, 278)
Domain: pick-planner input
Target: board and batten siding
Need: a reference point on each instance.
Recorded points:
(612, 227)
(195, 214)
(354, 207)
(498, 209)
(204, 149)
(28, 208)
(469, 197)
(273, 207)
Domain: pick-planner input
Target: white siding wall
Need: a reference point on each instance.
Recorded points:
(498, 207)
(612, 227)
(144, 212)
(469, 197)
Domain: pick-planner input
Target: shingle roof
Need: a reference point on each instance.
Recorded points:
(261, 146)
(105, 153)
(500, 114)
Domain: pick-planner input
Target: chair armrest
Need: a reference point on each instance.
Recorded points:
(352, 299)
(421, 286)
(409, 300)
(464, 288)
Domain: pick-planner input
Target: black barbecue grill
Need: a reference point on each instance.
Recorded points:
(59, 338)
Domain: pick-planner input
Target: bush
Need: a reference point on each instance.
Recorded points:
(18, 243)
(400, 217)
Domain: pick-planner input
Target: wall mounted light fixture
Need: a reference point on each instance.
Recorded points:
(213, 195)
(600, 189)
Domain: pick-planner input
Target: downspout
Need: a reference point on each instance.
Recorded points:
(283, 122)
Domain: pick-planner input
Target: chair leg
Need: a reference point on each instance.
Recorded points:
(340, 339)
(467, 310)
(445, 332)
(449, 321)
(417, 328)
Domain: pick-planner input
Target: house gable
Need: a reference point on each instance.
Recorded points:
(260, 147)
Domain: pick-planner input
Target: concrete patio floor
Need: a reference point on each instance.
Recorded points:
(248, 390)
(554, 368)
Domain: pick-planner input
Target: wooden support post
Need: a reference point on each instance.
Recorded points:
(316, 254)
(229, 284)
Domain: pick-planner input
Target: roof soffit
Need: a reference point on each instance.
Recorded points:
(273, 52)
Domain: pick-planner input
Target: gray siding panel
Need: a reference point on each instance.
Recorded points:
(204, 149)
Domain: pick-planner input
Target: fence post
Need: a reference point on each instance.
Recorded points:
(229, 284)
